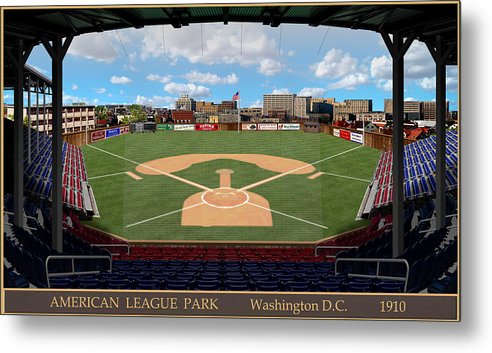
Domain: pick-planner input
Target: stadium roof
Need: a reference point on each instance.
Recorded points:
(30, 71)
(423, 20)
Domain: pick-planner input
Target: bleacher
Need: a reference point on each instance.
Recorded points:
(225, 275)
(430, 254)
(77, 194)
(419, 173)
(27, 248)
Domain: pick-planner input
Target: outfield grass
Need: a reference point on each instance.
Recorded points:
(328, 200)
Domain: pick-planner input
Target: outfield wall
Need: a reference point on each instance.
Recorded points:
(82, 138)
(375, 140)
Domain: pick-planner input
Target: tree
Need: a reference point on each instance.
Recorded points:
(137, 114)
(101, 112)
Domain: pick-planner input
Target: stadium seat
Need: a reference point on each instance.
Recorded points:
(61, 283)
(148, 284)
(119, 284)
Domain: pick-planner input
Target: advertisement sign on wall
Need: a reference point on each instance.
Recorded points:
(206, 127)
(356, 137)
(184, 127)
(112, 132)
(165, 127)
(250, 126)
(345, 134)
(289, 127)
(124, 129)
(267, 127)
(336, 132)
(97, 135)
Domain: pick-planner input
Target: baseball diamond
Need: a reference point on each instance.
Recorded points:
(286, 186)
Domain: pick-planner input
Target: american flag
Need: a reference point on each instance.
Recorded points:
(235, 97)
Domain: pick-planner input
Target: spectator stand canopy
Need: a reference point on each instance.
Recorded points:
(400, 23)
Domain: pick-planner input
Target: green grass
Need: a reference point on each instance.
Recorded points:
(327, 200)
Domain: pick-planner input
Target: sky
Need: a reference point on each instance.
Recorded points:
(154, 65)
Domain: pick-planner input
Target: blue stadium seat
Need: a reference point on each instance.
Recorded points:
(148, 284)
(119, 284)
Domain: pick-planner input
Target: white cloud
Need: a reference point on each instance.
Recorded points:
(100, 90)
(74, 87)
(350, 82)
(335, 64)
(158, 78)
(70, 100)
(130, 67)
(418, 61)
(211, 79)
(410, 99)
(221, 44)
(381, 67)
(418, 64)
(314, 92)
(270, 67)
(429, 83)
(123, 80)
(385, 85)
(156, 101)
(187, 88)
(281, 91)
(256, 104)
(291, 53)
(94, 46)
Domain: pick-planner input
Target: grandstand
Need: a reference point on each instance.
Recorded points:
(356, 261)
(77, 193)
(403, 246)
(419, 171)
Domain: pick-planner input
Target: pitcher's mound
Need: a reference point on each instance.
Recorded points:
(226, 207)
(225, 197)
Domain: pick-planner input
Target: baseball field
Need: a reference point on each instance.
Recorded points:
(227, 186)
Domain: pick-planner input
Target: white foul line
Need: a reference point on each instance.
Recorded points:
(346, 177)
(172, 176)
(286, 215)
(294, 170)
(164, 215)
(104, 176)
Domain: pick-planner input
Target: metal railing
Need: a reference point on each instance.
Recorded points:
(26, 217)
(127, 246)
(432, 219)
(383, 228)
(377, 275)
(73, 272)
